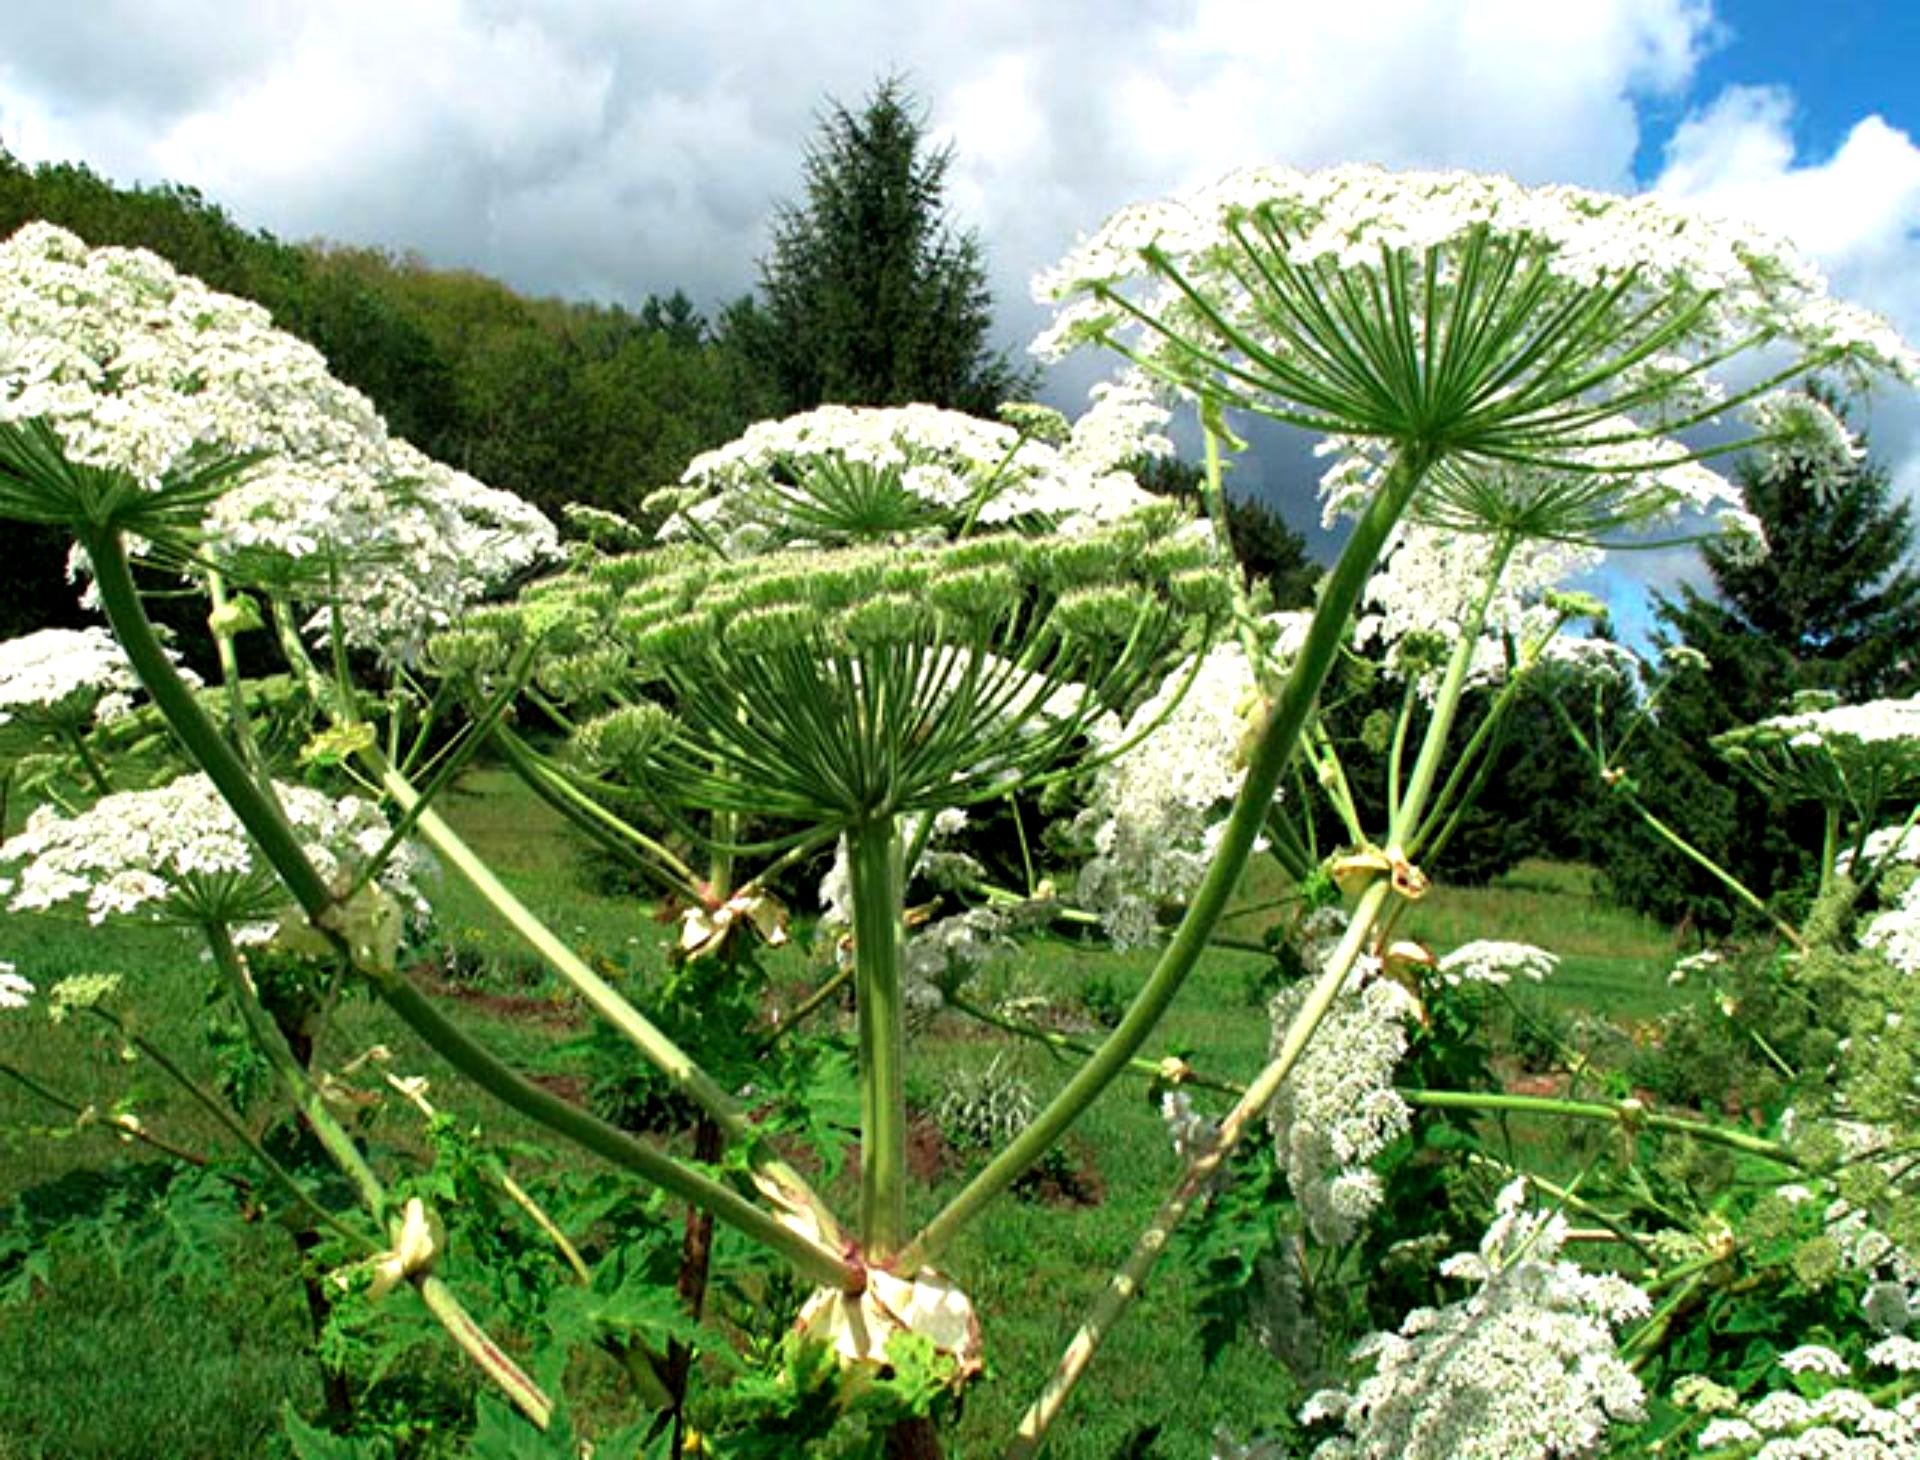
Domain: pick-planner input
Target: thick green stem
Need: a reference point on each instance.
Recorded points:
(272, 1045)
(879, 893)
(1267, 762)
(492, 1359)
(1197, 1179)
(479, 1064)
(257, 811)
(1405, 824)
(661, 1052)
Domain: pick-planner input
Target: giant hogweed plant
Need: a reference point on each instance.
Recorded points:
(1489, 360)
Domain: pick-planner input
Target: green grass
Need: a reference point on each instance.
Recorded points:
(140, 1360)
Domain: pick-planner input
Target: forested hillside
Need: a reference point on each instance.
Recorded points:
(557, 401)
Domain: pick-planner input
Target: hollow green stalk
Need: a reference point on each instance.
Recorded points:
(337, 1141)
(281, 847)
(1406, 822)
(1628, 1114)
(1125, 1285)
(1267, 762)
(879, 893)
(493, 1360)
(810, 1258)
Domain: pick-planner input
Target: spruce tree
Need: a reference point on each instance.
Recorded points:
(870, 297)
(1834, 605)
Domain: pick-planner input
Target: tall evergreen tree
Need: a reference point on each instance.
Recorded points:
(870, 296)
(1833, 605)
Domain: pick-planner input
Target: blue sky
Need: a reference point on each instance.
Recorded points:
(1841, 60)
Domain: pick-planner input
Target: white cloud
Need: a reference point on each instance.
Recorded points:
(615, 147)
(1857, 213)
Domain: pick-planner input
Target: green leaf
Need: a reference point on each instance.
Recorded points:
(315, 1444)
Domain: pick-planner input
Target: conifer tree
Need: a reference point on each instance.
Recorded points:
(1833, 605)
(870, 296)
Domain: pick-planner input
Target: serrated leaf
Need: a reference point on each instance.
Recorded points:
(316, 1444)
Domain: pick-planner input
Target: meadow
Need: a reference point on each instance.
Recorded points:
(115, 1350)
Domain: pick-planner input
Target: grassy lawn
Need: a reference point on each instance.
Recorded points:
(120, 1354)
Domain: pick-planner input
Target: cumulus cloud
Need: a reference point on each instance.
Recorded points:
(1857, 213)
(610, 148)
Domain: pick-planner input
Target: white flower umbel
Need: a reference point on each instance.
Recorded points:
(1154, 811)
(178, 853)
(1525, 1365)
(14, 990)
(59, 679)
(1426, 592)
(1493, 962)
(1338, 1110)
(870, 473)
(1806, 440)
(143, 369)
(1857, 756)
(1464, 312)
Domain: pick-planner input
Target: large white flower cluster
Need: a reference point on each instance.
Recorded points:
(145, 852)
(1895, 931)
(1431, 579)
(1155, 810)
(137, 366)
(1844, 727)
(948, 462)
(61, 677)
(1840, 1419)
(1524, 1365)
(1338, 1109)
(1750, 282)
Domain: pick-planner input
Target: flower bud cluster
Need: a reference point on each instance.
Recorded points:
(831, 684)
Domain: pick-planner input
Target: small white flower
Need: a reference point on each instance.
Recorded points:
(14, 990)
(1493, 962)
